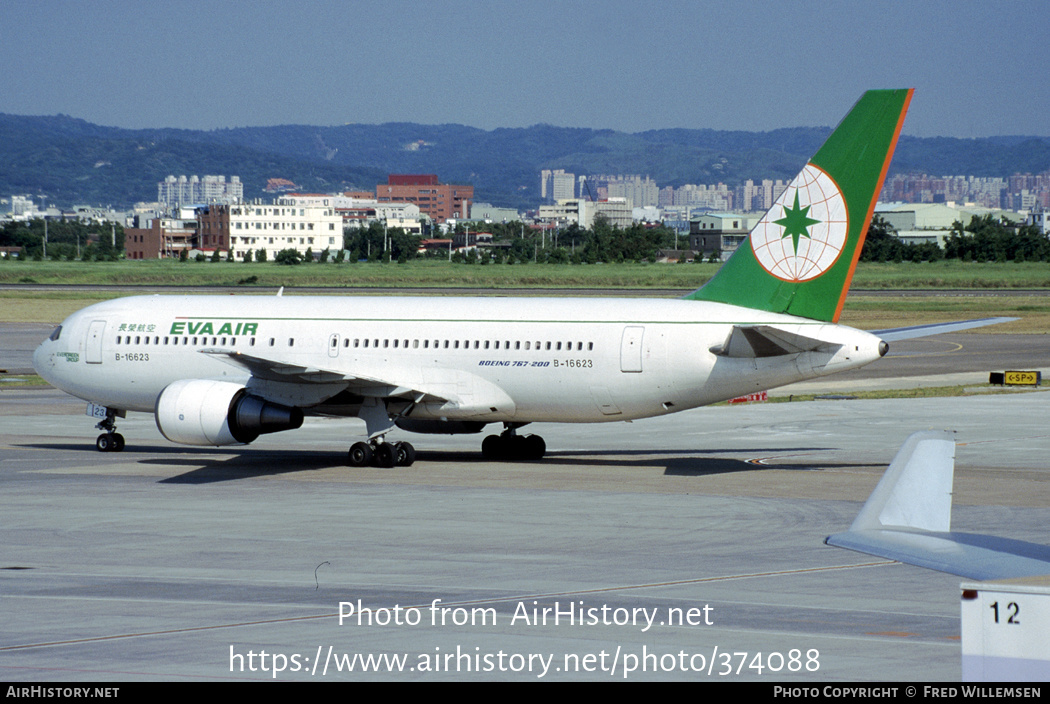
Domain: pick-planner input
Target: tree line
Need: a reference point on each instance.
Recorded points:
(984, 239)
(516, 242)
(66, 239)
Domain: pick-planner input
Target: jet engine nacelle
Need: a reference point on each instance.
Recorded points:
(203, 412)
(440, 427)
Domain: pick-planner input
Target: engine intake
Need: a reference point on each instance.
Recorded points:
(203, 412)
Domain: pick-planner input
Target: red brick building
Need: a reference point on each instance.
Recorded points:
(165, 237)
(440, 201)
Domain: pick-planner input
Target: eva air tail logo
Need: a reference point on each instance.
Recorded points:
(804, 233)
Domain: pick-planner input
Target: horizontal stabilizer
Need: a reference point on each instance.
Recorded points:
(894, 334)
(908, 518)
(967, 555)
(752, 341)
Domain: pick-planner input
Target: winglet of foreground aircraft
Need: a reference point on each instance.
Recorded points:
(220, 370)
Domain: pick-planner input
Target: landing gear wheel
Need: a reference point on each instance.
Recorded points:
(493, 448)
(513, 447)
(385, 455)
(404, 454)
(109, 442)
(360, 455)
(534, 448)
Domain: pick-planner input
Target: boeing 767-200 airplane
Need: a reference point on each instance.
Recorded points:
(221, 370)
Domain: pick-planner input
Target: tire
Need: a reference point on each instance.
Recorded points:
(405, 454)
(104, 443)
(118, 442)
(360, 455)
(493, 448)
(534, 448)
(385, 455)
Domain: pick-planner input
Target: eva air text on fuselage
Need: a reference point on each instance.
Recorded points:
(206, 327)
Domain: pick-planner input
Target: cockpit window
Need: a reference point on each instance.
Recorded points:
(55, 333)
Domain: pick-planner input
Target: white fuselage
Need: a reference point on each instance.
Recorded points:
(515, 360)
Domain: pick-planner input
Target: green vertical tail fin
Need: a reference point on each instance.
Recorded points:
(800, 257)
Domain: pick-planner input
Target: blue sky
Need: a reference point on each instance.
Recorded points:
(979, 68)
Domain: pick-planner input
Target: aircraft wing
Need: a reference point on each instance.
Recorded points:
(449, 392)
(276, 370)
(908, 518)
(894, 334)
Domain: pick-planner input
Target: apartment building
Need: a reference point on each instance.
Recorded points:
(196, 190)
(440, 201)
(282, 224)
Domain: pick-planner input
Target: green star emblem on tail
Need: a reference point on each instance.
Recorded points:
(795, 222)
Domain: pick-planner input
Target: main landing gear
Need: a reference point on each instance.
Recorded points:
(381, 454)
(377, 452)
(508, 445)
(111, 440)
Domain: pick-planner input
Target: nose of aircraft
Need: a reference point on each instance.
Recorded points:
(44, 359)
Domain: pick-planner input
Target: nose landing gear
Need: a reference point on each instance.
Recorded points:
(111, 440)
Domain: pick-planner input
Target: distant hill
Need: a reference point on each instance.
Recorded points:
(73, 161)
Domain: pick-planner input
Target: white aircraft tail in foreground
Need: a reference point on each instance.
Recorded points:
(220, 370)
(907, 518)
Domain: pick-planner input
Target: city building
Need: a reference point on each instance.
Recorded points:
(566, 212)
(720, 232)
(557, 185)
(23, 207)
(489, 212)
(718, 197)
(358, 209)
(161, 237)
(282, 224)
(1040, 217)
(438, 200)
(194, 190)
(639, 192)
(617, 211)
(751, 197)
(918, 223)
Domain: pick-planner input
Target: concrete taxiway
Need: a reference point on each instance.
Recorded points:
(173, 563)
